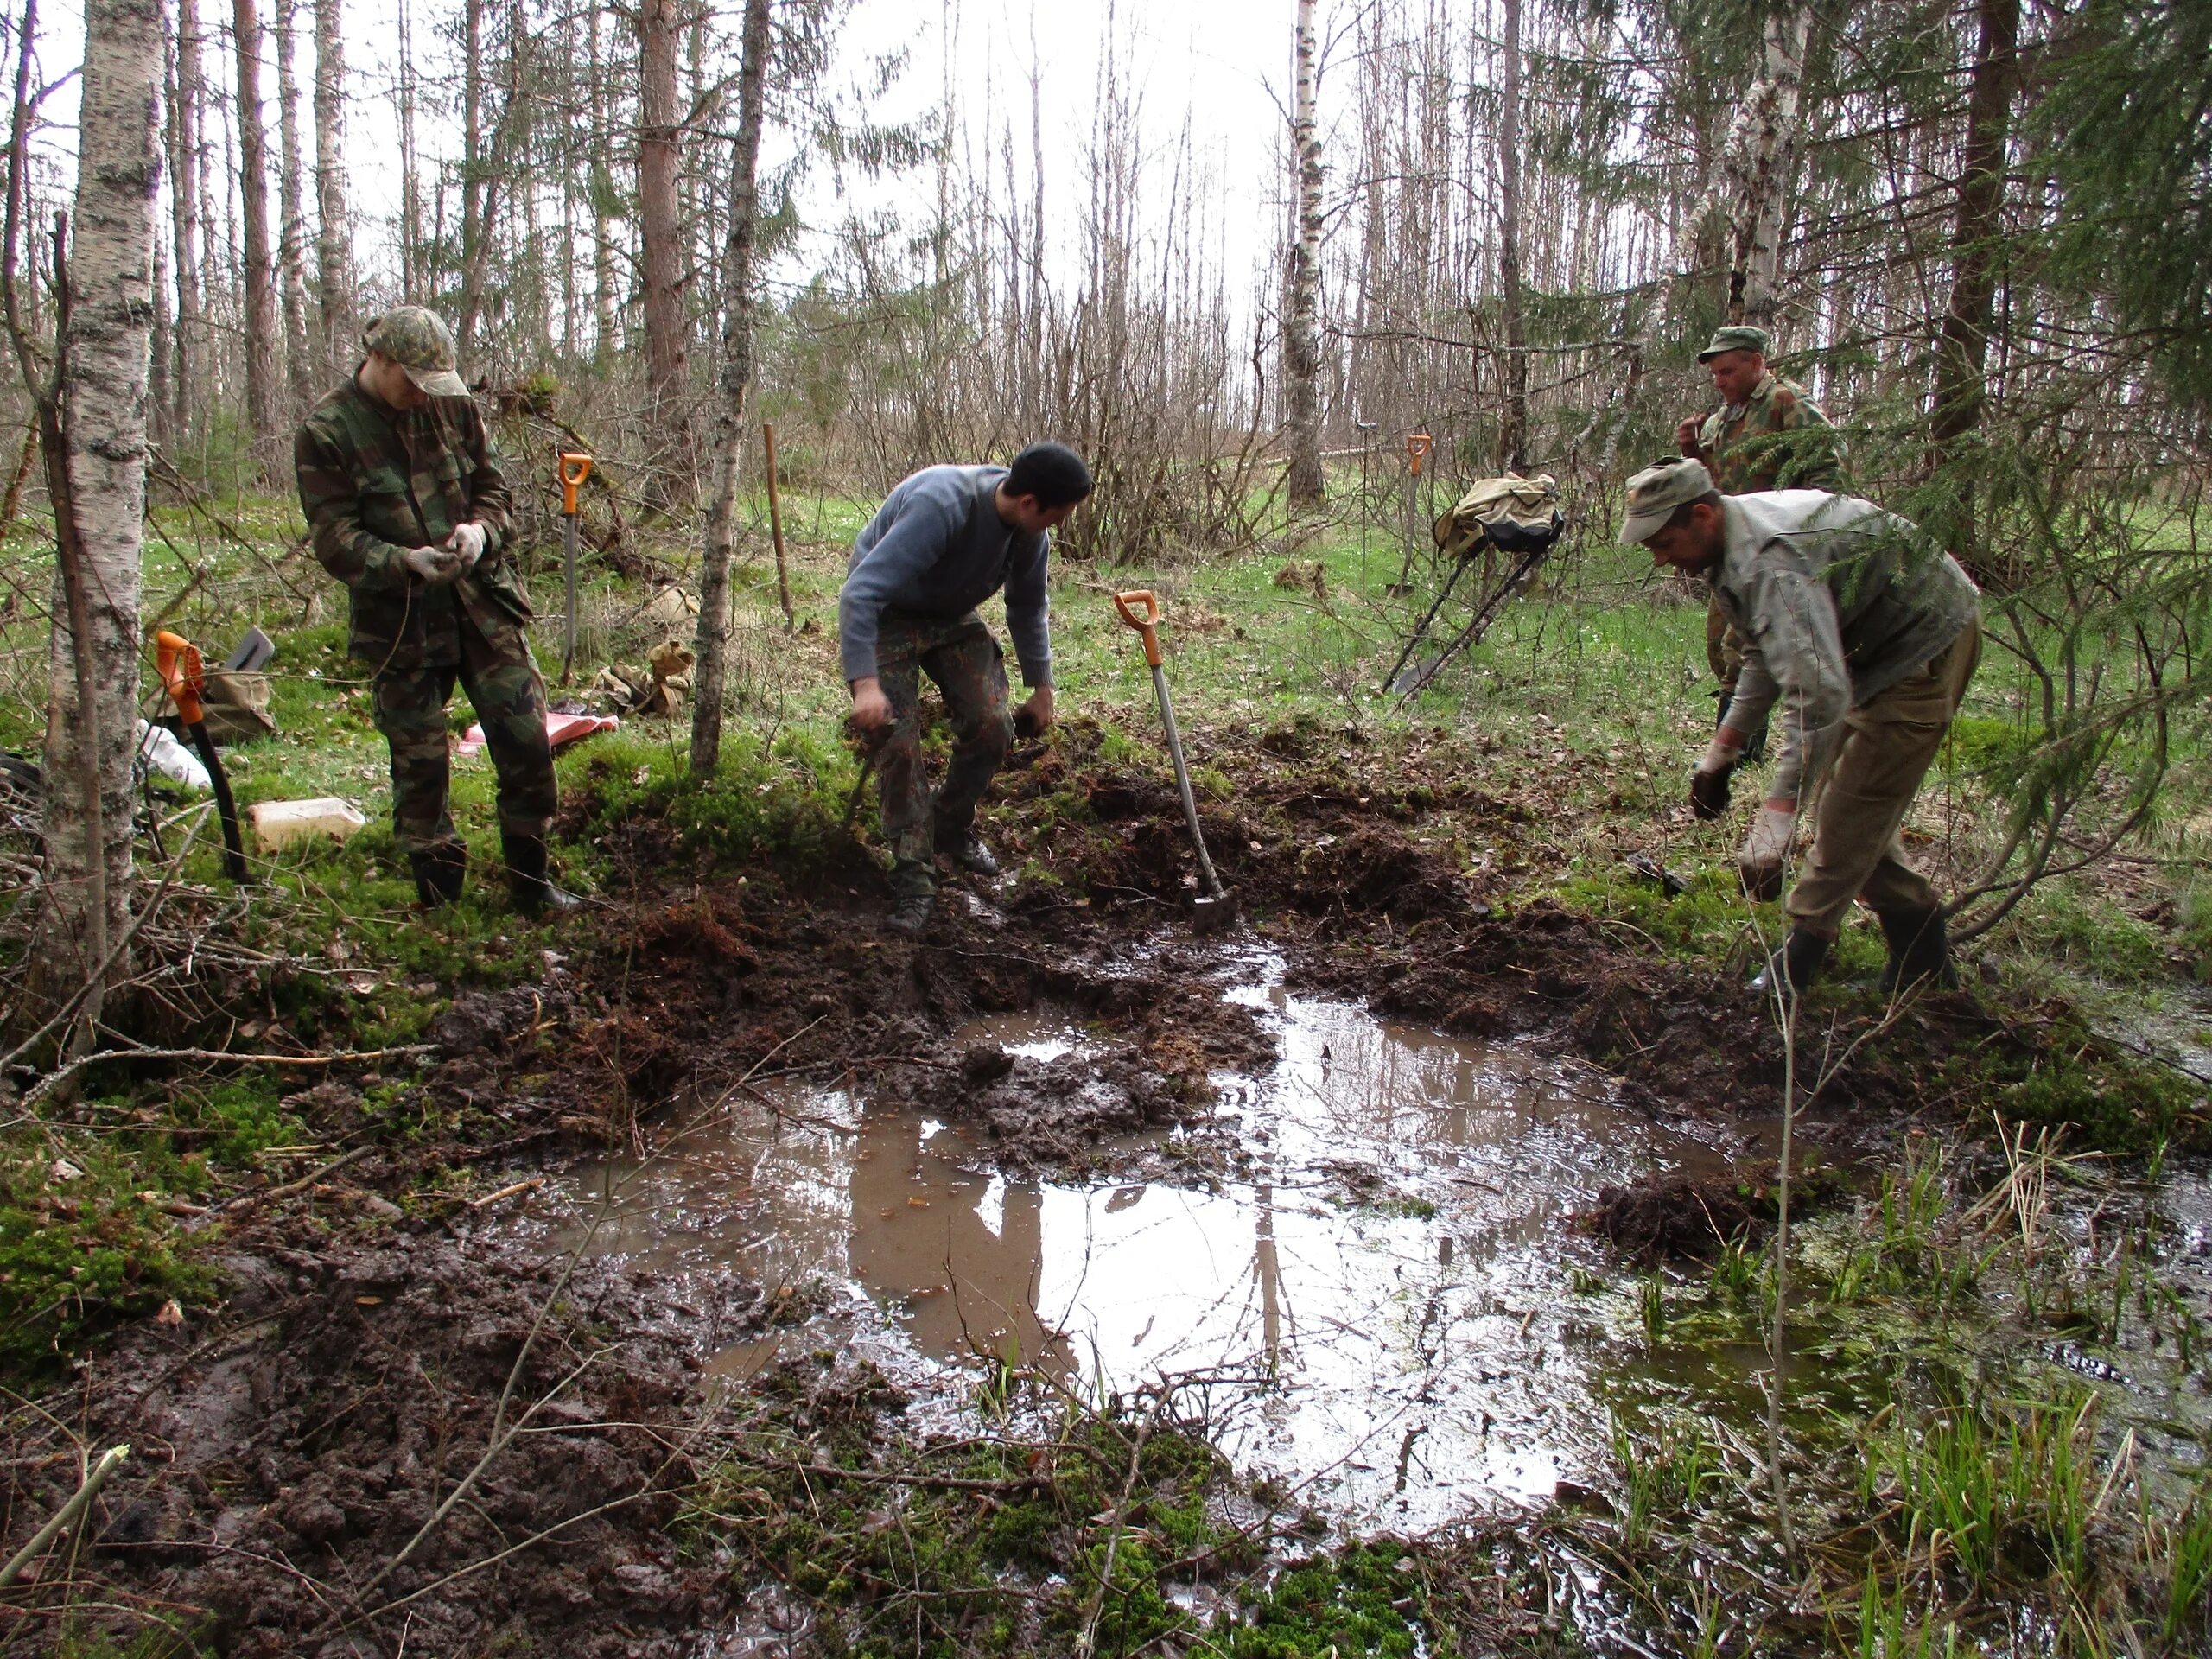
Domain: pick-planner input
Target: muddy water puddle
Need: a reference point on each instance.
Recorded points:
(1376, 1308)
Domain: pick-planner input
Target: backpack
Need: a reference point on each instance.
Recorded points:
(1514, 514)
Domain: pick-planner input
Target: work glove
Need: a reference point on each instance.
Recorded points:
(1709, 783)
(468, 540)
(1765, 850)
(434, 566)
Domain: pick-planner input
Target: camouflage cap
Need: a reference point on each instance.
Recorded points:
(1736, 337)
(418, 340)
(1654, 492)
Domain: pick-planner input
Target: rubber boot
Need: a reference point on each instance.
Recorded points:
(1798, 962)
(534, 893)
(439, 874)
(1920, 950)
(913, 891)
(969, 853)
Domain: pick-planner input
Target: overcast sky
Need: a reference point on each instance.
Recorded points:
(1218, 67)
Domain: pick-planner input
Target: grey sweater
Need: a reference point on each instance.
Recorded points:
(1837, 602)
(937, 548)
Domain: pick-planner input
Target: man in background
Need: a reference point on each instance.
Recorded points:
(1767, 434)
(408, 507)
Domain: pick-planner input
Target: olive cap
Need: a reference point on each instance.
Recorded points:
(1736, 337)
(1654, 492)
(418, 340)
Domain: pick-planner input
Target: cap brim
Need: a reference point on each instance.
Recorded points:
(439, 383)
(1712, 351)
(1640, 526)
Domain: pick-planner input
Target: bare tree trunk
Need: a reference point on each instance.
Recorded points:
(661, 266)
(188, 361)
(260, 318)
(1963, 344)
(606, 327)
(1301, 333)
(413, 287)
(93, 659)
(335, 236)
(736, 388)
(291, 246)
(1513, 427)
(1773, 110)
(472, 161)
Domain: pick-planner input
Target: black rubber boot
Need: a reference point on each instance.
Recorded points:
(1920, 951)
(527, 878)
(1798, 961)
(439, 874)
(913, 891)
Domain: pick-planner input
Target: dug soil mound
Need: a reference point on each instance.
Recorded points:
(287, 1450)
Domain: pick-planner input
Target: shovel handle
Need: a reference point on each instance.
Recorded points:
(1418, 444)
(1146, 625)
(176, 659)
(575, 469)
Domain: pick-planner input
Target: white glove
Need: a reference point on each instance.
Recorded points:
(433, 566)
(468, 540)
(1764, 851)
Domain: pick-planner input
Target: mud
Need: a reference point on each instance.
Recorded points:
(294, 1437)
(289, 1443)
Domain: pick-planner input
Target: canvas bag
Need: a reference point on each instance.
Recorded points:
(237, 705)
(1517, 515)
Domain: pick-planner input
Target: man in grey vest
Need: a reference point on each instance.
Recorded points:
(1863, 635)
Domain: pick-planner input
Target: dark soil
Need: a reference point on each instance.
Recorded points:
(293, 1439)
(1694, 1215)
(289, 1443)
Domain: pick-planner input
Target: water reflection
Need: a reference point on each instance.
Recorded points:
(1378, 1313)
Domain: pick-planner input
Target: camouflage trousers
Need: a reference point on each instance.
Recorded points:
(509, 696)
(964, 660)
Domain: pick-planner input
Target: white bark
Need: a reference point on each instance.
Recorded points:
(333, 232)
(1771, 106)
(103, 412)
(736, 388)
(1301, 333)
(291, 209)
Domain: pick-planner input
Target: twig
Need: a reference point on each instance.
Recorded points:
(272, 1194)
(489, 1198)
(342, 1057)
(110, 1460)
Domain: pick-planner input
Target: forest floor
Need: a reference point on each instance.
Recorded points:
(715, 1273)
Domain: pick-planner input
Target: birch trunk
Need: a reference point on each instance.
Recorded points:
(292, 239)
(1759, 220)
(337, 323)
(187, 362)
(1301, 340)
(660, 232)
(260, 318)
(412, 282)
(1513, 426)
(94, 656)
(736, 388)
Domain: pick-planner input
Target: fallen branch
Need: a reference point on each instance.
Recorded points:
(54, 1080)
(110, 1460)
(273, 1194)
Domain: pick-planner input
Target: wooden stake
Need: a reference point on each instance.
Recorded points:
(776, 524)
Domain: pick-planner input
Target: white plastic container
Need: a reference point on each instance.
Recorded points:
(279, 823)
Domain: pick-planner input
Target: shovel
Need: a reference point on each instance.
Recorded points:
(176, 659)
(1213, 908)
(574, 468)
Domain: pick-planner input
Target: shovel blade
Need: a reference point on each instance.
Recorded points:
(1213, 915)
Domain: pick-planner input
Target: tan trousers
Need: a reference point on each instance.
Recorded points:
(1888, 745)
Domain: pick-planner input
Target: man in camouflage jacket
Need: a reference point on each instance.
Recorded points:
(408, 507)
(1767, 434)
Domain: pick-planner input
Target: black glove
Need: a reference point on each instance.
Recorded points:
(1025, 721)
(1709, 792)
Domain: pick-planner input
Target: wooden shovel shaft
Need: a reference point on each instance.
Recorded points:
(569, 627)
(1183, 780)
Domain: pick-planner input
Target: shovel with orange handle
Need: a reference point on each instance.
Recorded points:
(176, 659)
(1213, 907)
(575, 469)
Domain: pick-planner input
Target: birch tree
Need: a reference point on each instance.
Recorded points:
(182, 132)
(98, 481)
(735, 387)
(1301, 331)
(336, 313)
(292, 222)
(1513, 428)
(1772, 107)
